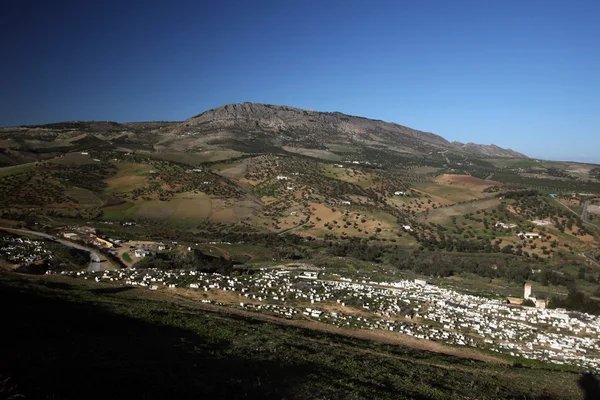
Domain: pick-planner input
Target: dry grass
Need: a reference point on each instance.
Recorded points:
(315, 153)
(442, 215)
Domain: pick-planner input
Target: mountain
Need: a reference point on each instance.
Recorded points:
(282, 125)
(246, 127)
(490, 150)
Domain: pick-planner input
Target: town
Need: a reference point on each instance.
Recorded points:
(24, 251)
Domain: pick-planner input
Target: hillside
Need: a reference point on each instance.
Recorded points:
(303, 220)
(132, 343)
(488, 150)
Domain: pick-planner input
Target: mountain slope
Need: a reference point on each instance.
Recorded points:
(294, 126)
(490, 150)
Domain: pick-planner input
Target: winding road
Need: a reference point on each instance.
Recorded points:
(95, 261)
(584, 214)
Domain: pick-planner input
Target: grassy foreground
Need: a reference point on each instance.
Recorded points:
(69, 338)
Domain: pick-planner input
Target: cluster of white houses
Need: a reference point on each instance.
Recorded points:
(413, 308)
(23, 251)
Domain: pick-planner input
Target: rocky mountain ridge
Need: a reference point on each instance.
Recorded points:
(252, 125)
(289, 123)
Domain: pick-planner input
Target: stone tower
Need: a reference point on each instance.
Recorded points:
(527, 292)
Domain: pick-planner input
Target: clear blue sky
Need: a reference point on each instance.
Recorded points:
(520, 74)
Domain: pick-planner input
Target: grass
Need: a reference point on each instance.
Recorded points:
(185, 209)
(170, 348)
(362, 179)
(16, 170)
(342, 149)
(127, 257)
(84, 197)
(442, 215)
(255, 253)
(73, 159)
(452, 193)
(516, 163)
(195, 159)
(129, 176)
(315, 153)
(117, 213)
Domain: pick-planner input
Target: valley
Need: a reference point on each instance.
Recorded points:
(339, 224)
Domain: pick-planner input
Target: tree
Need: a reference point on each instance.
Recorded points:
(528, 303)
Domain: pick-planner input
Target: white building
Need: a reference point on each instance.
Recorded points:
(505, 226)
(542, 222)
(308, 275)
(140, 253)
(529, 235)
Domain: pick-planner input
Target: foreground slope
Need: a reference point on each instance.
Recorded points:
(73, 339)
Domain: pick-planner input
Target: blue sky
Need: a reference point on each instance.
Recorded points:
(519, 74)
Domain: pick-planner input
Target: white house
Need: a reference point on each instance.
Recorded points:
(407, 228)
(505, 226)
(542, 222)
(530, 235)
(282, 178)
(308, 275)
(399, 193)
(140, 253)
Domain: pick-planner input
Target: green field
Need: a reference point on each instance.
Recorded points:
(315, 153)
(85, 198)
(442, 215)
(454, 194)
(341, 149)
(195, 159)
(516, 163)
(16, 170)
(182, 209)
(129, 176)
(73, 159)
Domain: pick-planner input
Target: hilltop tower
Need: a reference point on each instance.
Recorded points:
(527, 291)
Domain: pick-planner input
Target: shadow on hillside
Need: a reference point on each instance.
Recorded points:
(112, 290)
(54, 348)
(590, 386)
